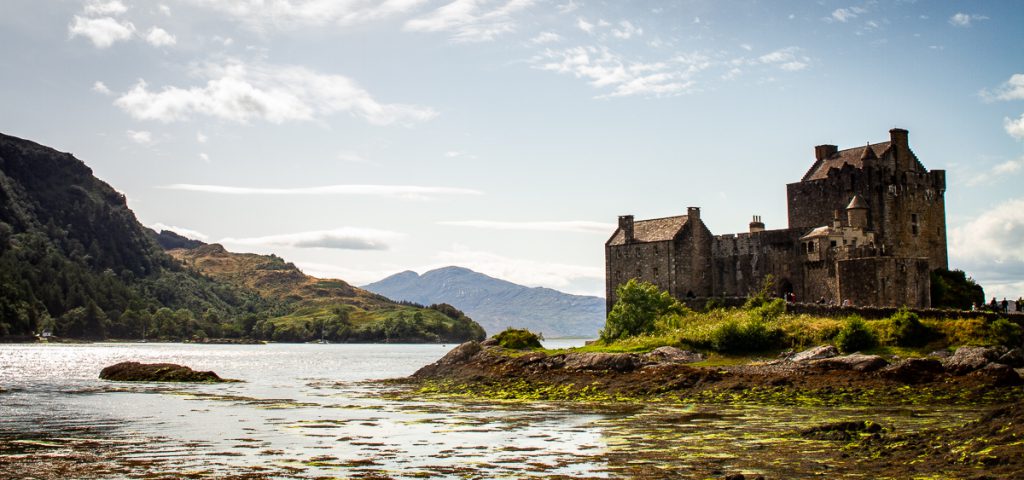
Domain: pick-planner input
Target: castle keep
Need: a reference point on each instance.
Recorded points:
(866, 224)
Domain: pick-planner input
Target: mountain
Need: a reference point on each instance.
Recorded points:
(497, 304)
(74, 260)
(333, 308)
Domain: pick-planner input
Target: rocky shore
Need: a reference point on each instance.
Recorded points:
(985, 380)
(157, 372)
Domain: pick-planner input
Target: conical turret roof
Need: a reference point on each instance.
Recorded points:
(857, 203)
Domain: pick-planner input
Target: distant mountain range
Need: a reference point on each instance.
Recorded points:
(498, 304)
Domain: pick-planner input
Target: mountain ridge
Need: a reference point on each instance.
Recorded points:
(496, 303)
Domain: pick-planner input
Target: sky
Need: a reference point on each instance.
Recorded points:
(362, 138)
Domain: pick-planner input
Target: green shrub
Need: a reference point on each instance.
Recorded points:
(713, 304)
(751, 334)
(518, 339)
(907, 329)
(637, 310)
(1004, 332)
(769, 310)
(855, 336)
(762, 295)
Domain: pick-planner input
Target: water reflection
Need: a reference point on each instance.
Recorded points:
(306, 411)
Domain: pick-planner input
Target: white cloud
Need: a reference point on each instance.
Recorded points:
(100, 87)
(1014, 127)
(243, 92)
(164, 9)
(545, 37)
(992, 245)
(398, 191)
(786, 59)
(201, 137)
(352, 157)
(103, 31)
(961, 19)
(141, 137)
(185, 232)
(627, 30)
(471, 20)
(99, 8)
(345, 238)
(579, 226)
(159, 37)
(1012, 89)
(290, 14)
(846, 14)
(1008, 167)
(585, 25)
(204, 157)
(570, 7)
(603, 68)
(522, 271)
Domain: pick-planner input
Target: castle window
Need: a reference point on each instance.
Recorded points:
(913, 223)
(655, 272)
(832, 244)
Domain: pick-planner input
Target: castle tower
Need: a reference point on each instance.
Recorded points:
(857, 212)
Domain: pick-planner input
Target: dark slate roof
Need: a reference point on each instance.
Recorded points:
(654, 230)
(853, 156)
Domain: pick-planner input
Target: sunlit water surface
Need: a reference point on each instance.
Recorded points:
(308, 411)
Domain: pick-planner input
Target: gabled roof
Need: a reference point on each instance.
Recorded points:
(853, 156)
(654, 230)
(818, 232)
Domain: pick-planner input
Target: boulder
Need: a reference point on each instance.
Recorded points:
(816, 353)
(1000, 375)
(617, 362)
(913, 370)
(856, 362)
(668, 354)
(461, 353)
(969, 359)
(941, 354)
(156, 372)
(1013, 358)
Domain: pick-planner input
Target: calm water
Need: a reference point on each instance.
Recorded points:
(308, 411)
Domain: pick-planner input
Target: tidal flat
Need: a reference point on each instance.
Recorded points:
(318, 411)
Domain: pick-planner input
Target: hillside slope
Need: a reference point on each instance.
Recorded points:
(497, 304)
(74, 260)
(329, 308)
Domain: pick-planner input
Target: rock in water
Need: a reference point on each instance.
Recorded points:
(155, 372)
(969, 359)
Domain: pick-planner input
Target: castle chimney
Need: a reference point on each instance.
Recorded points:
(626, 225)
(821, 152)
(836, 222)
(898, 137)
(756, 225)
(693, 213)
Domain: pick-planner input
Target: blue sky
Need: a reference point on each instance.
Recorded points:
(360, 138)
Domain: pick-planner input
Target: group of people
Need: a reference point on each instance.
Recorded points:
(1004, 306)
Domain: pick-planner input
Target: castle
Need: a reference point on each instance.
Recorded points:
(866, 225)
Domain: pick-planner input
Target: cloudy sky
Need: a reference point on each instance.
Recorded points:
(360, 138)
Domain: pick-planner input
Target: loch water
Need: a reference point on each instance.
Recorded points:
(316, 411)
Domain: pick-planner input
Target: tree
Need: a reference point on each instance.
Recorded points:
(637, 309)
(954, 289)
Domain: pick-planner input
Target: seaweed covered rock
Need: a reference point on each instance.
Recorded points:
(914, 370)
(841, 431)
(156, 372)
